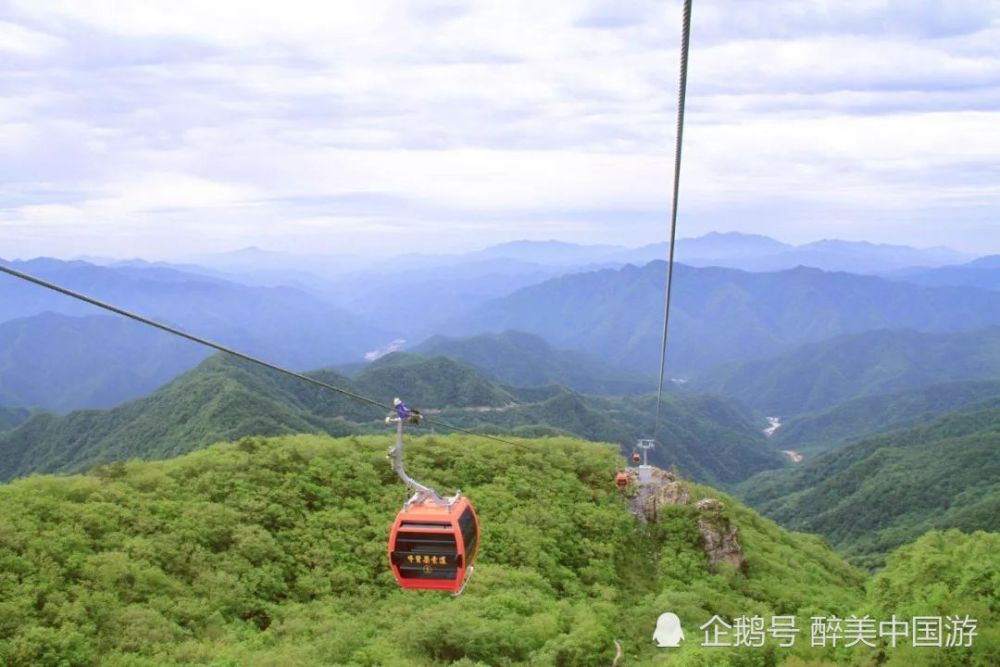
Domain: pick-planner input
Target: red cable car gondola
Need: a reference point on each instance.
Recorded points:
(432, 546)
(635, 457)
(621, 480)
(434, 540)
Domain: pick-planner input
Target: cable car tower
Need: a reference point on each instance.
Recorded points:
(645, 445)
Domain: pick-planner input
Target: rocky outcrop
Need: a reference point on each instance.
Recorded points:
(720, 538)
(656, 489)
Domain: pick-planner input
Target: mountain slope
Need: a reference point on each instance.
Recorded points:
(61, 363)
(430, 381)
(703, 436)
(818, 376)
(286, 325)
(273, 552)
(12, 417)
(225, 398)
(813, 433)
(721, 314)
(874, 495)
(526, 360)
(983, 272)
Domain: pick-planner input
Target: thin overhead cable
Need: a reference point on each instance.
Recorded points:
(222, 348)
(682, 93)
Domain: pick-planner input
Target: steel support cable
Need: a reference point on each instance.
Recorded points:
(222, 348)
(681, 96)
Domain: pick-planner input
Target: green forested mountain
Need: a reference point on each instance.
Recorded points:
(526, 360)
(225, 398)
(272, 552)
(871, 496)
(62, 363)
(721, 314)
(705, 437)
(815, 432)
(429, 381)
(818, 376)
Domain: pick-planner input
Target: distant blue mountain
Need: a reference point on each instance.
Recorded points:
(63, 363)
(720, 314)
(983, 272)
(751, 252)
(284, 324)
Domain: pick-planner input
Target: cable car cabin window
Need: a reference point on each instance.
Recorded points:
(426, 555)
(467, 524)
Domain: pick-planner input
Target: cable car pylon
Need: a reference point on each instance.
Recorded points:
(434, 540)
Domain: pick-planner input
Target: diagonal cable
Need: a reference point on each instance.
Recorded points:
(222, 348)
(682, 94)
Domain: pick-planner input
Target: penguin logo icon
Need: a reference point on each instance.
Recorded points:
(669, 633)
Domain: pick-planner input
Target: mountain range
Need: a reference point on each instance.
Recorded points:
(983, 272)
(225, 398)
(62, 363)
(525, 360)
(284, 324)
(815, 432)
(871, 496)
(720, 315)
(820, 375)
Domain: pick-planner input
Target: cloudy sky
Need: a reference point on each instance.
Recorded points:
(171, 129)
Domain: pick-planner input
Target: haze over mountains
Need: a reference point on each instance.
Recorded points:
(820, 375)
(722, 315)
(575, 299)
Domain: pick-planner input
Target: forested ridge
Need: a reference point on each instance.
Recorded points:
(226, 398)
(871, 496)
(819, 376)
(816, 432)
(272, 552)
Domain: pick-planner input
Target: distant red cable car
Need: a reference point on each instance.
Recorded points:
(432, 546)
(434, 540)
(621, 480)
(635, 457)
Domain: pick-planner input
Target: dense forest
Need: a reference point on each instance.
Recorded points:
(871, 496)
(815, 432)
(224, 399)
(272, 552)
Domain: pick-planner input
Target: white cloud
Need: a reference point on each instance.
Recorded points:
(18, 40)
(259, 122)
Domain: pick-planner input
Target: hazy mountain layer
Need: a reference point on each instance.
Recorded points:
(983, 272)
(522, 359)
(721, 315)
(818, 376)
(283, 324)
(62, 363)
